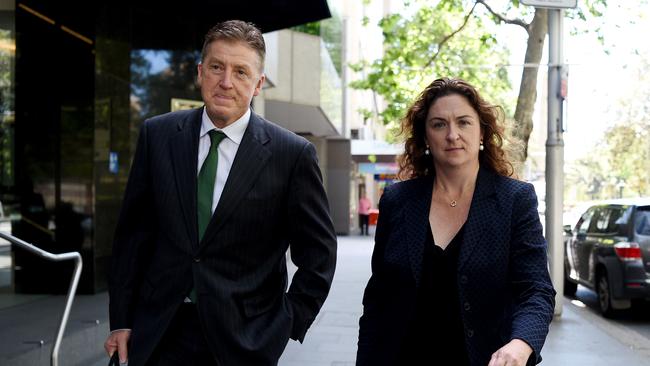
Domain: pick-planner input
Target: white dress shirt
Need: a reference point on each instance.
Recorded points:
(227, 149)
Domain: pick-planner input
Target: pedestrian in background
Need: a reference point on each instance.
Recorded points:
(459, 268)
(364, 212)
(215, 197)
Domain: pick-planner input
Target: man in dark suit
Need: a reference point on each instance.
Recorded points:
(215, 198)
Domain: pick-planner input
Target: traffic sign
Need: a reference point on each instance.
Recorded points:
(552, 4)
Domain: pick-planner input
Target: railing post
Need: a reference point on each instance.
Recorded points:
(54, 360)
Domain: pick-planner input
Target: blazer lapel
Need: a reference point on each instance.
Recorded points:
(249, 161)
(184, 150)
(417, 211)
(479, 214)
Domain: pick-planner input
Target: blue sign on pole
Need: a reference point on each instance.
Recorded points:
(113, 165)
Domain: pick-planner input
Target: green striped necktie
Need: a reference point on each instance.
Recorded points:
(205, 189)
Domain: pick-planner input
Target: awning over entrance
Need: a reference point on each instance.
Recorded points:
(381, 151)
(156, 26)
(299, 118)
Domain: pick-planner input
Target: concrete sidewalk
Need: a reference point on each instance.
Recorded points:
(579, 337)
(27, 330)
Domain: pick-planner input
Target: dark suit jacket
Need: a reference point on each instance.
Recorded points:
(504, 287)
(273, 199)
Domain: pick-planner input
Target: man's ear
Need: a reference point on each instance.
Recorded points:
(199, 73)
(260, 84)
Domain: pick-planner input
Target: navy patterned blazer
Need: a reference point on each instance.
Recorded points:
(273, 199)
(503, 282)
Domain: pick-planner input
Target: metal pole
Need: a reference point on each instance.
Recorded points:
(555, 157)
(72, 290)
(345, 131)
(78, 265)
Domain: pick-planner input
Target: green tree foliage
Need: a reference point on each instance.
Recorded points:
(452, 38)
(6, 111)
(153, 91)
(312, 28)
(435, 41)
(621, 165)
(586, 178)
(627, 150)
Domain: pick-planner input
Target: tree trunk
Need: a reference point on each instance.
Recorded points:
(528, 88)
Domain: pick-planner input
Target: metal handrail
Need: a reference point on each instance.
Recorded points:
(54, 361)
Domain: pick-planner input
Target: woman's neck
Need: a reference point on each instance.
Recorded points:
(455, 182)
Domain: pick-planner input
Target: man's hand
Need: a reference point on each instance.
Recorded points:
(515, 353)
(117, 341)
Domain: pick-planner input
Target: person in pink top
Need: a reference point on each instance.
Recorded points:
(364, 213)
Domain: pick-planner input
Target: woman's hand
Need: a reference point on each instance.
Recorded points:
(515, 353)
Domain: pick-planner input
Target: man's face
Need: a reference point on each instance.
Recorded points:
(229, 75)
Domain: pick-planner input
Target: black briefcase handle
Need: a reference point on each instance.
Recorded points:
(115, 360)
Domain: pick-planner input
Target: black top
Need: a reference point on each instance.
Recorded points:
(435, 335)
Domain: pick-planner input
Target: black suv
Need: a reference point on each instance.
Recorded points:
(608, 251)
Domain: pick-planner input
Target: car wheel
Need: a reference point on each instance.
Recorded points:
(570, 288)
(605, 296)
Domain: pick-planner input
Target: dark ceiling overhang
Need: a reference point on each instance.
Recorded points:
(182, 24)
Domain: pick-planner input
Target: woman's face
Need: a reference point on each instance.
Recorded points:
(453, 132)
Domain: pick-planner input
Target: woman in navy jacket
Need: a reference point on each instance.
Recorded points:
(459, 269)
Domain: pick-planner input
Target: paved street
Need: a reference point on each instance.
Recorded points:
(580, 337)
(636, 320)
(332, 340)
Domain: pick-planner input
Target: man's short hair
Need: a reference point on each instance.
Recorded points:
(236, 31)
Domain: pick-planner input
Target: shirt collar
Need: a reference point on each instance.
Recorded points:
(234, 131)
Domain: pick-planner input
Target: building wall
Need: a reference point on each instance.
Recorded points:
(299, 100)
(338, 189)
(54, 137)
(83, 80)
(321, 146)
(115, 131)
(363, 42)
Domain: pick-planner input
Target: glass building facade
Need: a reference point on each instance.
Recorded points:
(77, 78)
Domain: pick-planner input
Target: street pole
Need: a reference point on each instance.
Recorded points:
(345, 131)
(555, 157)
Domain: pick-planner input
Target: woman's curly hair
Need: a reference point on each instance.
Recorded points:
(414, 163)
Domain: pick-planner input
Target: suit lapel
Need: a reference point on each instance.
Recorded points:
(184, 150)
(417, 210)
(251, 157)
(479, 214)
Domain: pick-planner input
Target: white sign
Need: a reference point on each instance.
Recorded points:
(553, 4)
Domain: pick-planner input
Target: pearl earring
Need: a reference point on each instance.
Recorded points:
(426, 151)
(481, 147)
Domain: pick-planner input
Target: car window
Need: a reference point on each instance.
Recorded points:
(611, 220)
(642, 221)
(618, 219)
(585, 221)
(601, 220)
